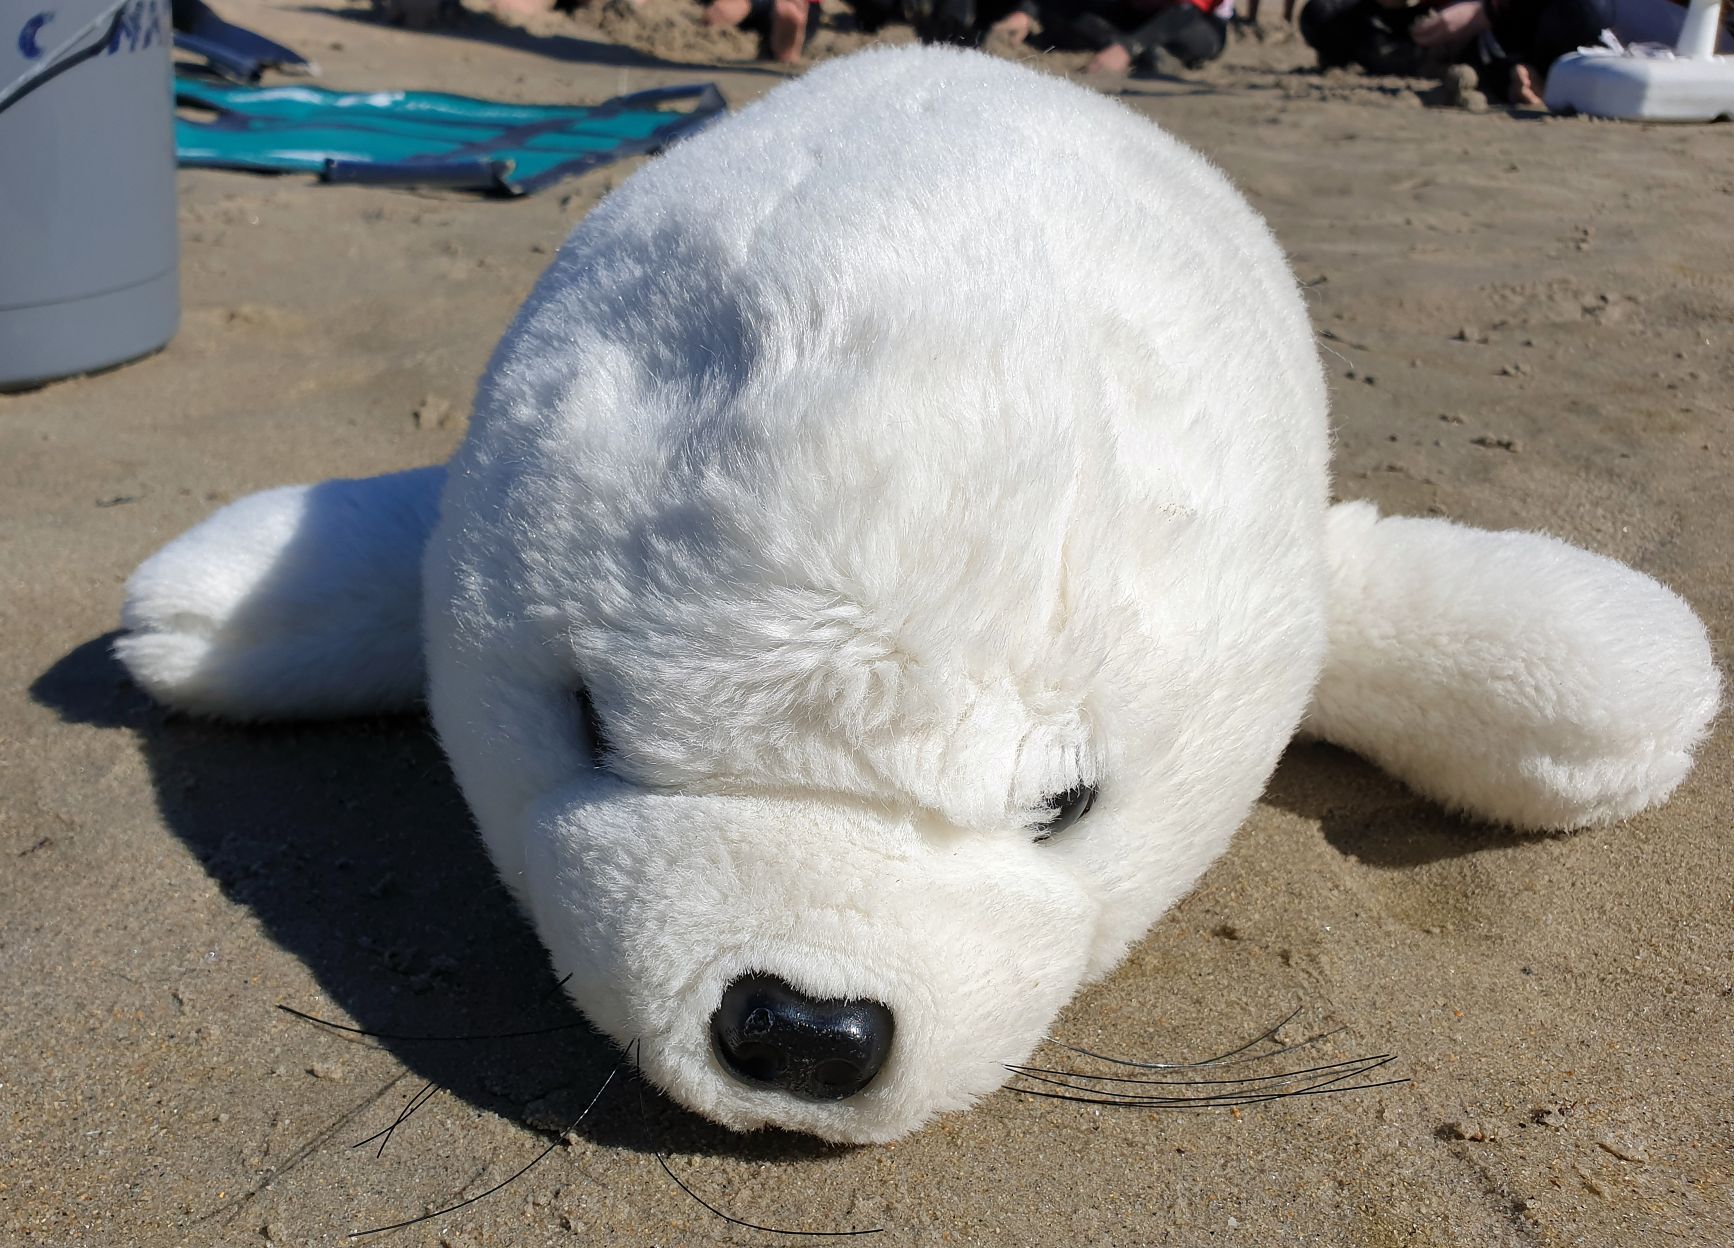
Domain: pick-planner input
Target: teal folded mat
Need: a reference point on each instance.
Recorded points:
(425, 138)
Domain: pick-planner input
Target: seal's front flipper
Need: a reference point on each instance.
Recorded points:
(297, 603)
(1509, 675)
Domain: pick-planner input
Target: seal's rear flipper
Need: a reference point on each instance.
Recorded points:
(297, 603)
(1509, 675)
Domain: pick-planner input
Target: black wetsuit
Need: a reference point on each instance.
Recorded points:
(1182, 29)
(1529, 32)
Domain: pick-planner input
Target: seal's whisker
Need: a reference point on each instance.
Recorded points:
(1287, 1048)
(1325, 1082)
(1212, 1100)
(1204, 1102)
(1221, 1059)
(393, 1035)
(662, 1160)
(1235, 1094)
(510, 1179)
(1260, 1038)
(1273, 1077)
(428, 1091)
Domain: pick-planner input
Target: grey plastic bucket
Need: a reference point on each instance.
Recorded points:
(89, 256)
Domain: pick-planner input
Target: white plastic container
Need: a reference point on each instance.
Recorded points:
(1647, 82)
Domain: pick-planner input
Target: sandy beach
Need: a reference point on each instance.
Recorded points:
(1527, 322)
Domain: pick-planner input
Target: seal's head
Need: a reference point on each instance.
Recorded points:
(870, 592)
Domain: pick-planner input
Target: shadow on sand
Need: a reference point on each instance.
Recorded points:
(1366, 815)
(483, 27)
(351, 844)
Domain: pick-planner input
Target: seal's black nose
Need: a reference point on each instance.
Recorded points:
(769, 1035)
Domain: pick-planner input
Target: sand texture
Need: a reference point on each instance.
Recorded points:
(1528, 323)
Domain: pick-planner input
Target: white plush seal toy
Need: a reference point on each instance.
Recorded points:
(891, 550)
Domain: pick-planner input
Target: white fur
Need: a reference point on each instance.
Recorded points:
(1510, 675)
(883, 461)
(294, 603)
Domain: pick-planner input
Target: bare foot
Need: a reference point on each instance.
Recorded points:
(1113, 59)
(1526, 86)
(1008, 33)
(727, 12)
(788, 30)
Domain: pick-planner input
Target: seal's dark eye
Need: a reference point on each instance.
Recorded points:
(1068, 808)
(592, 728)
